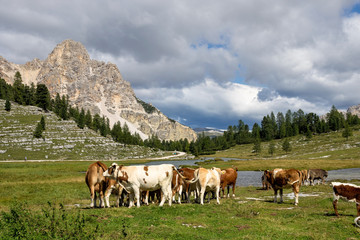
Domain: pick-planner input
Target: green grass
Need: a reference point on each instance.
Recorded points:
(242, 217)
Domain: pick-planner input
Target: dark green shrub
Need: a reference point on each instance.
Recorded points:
(50, 223)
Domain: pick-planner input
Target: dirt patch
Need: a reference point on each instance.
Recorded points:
(242, 227)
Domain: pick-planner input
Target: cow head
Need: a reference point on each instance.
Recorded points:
(112, 171)
(218, 170)
(267, 175)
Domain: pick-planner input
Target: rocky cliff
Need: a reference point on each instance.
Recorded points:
(96, 86)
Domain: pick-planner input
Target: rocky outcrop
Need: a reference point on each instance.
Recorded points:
(96, 86)
(354, 110)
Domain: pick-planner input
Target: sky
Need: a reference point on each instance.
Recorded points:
(205, 63)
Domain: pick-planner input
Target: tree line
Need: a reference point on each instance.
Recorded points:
(272, 127)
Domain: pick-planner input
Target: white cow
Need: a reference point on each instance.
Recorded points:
(135, 179)
(207, 180)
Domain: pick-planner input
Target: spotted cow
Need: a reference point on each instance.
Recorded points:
(348, 191)
(282, 178)
(135, 179)
(97, 183)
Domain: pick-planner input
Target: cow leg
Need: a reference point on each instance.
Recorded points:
(233, 189)
(358, 208)
(180, 193)
(223, 190)
(335, 201)
(146, 201)
(131, 199)
(137, 196)
(92, 197)
(107, 197)
(217, 194)
(296, 189)
(202, 192)
(101, 194)
(335, 207)
(281, 195)
(275, 195)
(169, 194)
(311, 182)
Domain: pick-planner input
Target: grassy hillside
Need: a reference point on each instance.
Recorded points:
(328, 151)
(62, 139)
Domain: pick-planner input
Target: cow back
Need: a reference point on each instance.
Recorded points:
(284, 177)
(229, 176)
(147, 177)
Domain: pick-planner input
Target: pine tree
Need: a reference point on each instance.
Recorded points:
(347, 132)
(7, 105)
(81, 120)
(271, 148)
(308, 133)
(38, 131)
(18, 87)
(42, 97)
(257, 146)
(88, 119)
(286, 145)
(42, 123)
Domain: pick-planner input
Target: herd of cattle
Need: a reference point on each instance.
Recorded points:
(165, 181)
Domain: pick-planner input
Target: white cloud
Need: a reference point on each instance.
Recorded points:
(231, 101)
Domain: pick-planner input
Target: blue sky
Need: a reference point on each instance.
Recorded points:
(206, 63)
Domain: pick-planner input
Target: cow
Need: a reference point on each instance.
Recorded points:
(227, 179)
(304, 176)
(346, 190)
(135, 179)
(207, 180)
(282, 178)
(177, 185)
(97, 183)
(317, 174)
(188, 174)
(265, 183)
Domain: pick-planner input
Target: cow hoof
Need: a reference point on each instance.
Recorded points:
(357, 221)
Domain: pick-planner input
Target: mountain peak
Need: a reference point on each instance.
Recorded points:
(68, 50)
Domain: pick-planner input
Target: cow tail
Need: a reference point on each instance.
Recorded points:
(179, 173)
(101, 165)
(196, 177)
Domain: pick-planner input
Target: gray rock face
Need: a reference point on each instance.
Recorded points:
(354, 110)
(96, 86)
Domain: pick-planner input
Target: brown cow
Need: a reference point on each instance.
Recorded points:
(97, 183)
(265, 183)
(188, 173)
(304, 176)
(177, 185)
(228, 178)
(347, 190)
(281, 178)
